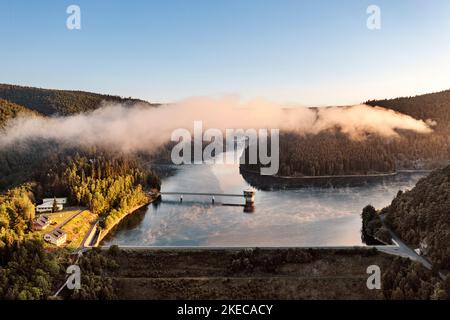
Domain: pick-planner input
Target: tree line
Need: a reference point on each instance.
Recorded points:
(9, 110)
(62, 102)
(110, 187)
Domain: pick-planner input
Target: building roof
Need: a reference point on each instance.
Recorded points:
(48, 204)
(43, 219)
(57, 233)
(53, 199)
(45, 204)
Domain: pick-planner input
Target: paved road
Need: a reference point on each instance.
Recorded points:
(83, 243)
(62, 224)
(401, 249)
(78, 253)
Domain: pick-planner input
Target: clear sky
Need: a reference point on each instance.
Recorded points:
(316, 52)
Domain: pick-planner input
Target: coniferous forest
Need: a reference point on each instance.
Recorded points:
(334, 153)
(421, 216)
(60, 102)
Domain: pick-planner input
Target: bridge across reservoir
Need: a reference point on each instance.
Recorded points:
(248, 195)
(211, 194)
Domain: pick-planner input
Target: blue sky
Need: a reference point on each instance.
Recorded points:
(316, 52)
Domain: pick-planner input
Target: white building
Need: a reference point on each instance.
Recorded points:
(56, 237)
(58, 200)
(47, 204)
(48, 207)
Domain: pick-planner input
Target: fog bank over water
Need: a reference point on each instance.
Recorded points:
(142, 128)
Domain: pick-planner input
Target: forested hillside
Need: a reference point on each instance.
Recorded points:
(422, 216)
(110, 186)
(9, 110)
(45, 163)
(434, 106)
(61, 102)
(27, 271)
(21, 163)
(333, 153)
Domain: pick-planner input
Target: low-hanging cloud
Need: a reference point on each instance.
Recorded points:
(142, 128)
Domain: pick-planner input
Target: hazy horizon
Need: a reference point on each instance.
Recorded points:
(286, 104)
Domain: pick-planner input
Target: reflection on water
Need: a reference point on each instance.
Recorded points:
(302, 217)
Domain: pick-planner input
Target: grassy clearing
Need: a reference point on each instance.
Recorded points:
(59, 217)
(77, 228)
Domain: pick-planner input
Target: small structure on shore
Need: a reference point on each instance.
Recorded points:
(56, 237)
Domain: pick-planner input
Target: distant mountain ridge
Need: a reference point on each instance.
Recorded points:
(435, 106)
(60, 102)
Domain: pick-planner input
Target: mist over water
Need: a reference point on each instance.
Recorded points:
(301, 217)
(140, 128)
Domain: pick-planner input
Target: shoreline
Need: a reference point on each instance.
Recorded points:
(334, 181)
(104, 232)
(374, 175)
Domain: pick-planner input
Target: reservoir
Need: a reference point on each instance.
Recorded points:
(294, 217)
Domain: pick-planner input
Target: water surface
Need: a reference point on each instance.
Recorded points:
(301, 217)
